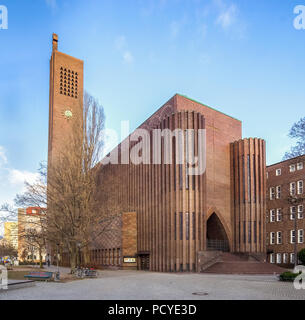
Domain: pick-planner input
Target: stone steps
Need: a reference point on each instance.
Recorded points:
(238, 264)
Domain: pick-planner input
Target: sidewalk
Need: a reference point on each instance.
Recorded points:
(53, 268)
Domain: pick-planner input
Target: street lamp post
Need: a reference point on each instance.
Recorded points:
(57, 245)
(79, 254)
(57, 274)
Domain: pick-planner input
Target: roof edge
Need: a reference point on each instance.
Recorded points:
(275, 164)
(185, 96)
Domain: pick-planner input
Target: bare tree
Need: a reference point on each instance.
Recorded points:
(6, 249)
(297, 132)
(68, 189)
(32, 234)
(7, 214)
(32, 229)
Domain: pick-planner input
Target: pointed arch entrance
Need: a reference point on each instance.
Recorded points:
(217, 238)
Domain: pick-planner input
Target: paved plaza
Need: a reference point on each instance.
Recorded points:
(137, 285)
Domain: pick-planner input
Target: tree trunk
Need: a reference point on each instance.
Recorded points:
(73, 257)
(86, 256)
(40, 258)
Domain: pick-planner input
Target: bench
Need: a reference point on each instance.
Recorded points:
(85, 273)
(39, 276)
(91, 274)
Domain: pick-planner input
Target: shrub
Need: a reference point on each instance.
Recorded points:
(288, 276)
(91, 266)
(28, 263)
(301, 256)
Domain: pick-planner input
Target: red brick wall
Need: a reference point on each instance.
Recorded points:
(129, 238)
(286, 225)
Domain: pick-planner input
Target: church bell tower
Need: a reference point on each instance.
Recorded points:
(66, 98)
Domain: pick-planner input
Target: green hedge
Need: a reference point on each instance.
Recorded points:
(288, 276)
(301, 256)
(29, 263)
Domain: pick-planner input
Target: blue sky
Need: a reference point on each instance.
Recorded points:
(243, 57)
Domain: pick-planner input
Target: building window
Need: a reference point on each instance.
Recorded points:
(292, 236)
(292, 168)
(278, 192)
(292, 258)
(293, 211)
(244, 180)
(301, 236)
(194, 226)
(278, 258)
(300, 187)
(278, 172)
(272, 260)
(272, 193)
(292, 188)
(300, 211)
(175, 225)
(285, 258)
(187, 156)
(272, 215)
(300, 166)
(181, 226)
(279, 215)
(279, 237)
(260, 228)
(249, 232)
(180, 177)
(244, 230)
(67, 77)
(187, 226)
(272, 237)
(249, 178)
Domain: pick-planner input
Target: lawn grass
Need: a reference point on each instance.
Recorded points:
(17, 275)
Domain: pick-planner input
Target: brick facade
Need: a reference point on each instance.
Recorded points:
(248, 193)
(166, 217)
(173, 212)
(66, 98)
(129, 240)
(282, 221)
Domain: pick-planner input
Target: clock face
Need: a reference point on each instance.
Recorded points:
(68, 114)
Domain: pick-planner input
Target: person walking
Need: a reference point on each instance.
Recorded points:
(48, 260)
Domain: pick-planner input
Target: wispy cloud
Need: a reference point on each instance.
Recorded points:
(128, 57)
(3, 158)
(175, 28)
(120, 42)
(12, 180)
(227, 17)
(204, 59)
(150, 7)
(51, 3)
(17, 177)
(122, 46)
(203, 30)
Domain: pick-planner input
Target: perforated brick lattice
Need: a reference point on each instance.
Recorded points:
(68, 82)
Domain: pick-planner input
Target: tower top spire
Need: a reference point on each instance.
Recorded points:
(55, 42)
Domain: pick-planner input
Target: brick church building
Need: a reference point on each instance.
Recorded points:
(168, 218)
